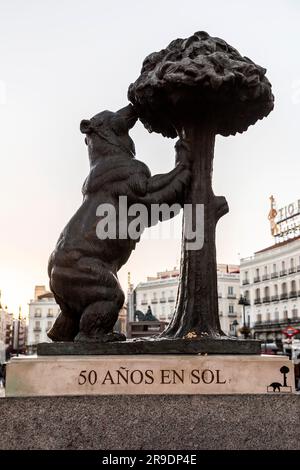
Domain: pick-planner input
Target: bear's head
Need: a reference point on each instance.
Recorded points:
(107, 133)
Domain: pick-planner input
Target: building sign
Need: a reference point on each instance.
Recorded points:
(289, 332)
(284, 222)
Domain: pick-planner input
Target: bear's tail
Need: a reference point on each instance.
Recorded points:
(65, 328)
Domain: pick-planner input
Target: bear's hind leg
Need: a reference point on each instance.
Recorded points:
(65, 328)
(97, 322)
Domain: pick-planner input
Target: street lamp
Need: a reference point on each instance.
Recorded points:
(245, 330)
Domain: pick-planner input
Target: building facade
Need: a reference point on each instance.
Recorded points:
(270, 280)
(160, 293)
(43, 311)
(6, 327)
(19, 340)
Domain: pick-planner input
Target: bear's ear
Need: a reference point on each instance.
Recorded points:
(85, 126)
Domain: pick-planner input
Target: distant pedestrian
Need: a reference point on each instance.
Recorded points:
(2, 375)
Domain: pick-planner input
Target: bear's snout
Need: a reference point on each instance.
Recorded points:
(129, 115)
(85, 126)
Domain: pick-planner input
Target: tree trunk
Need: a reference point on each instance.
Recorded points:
(196, 312)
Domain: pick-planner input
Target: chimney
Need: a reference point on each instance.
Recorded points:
(39, 290)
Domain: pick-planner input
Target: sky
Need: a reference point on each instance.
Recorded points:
(65, 60)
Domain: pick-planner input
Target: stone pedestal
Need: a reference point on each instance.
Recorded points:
(149, 375)
(148, 422)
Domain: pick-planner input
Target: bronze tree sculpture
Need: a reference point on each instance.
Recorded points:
(83, 268)
(197, 88)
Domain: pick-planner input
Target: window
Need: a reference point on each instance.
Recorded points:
(258, 318)
(37, 324)
(274, 268)
(230, 290)
(36, 338)
(295, 312)
(282, 265)
(163, 294)
(267, 291)
(37, 312)
(268, 316)
(283, 288)
(276, 315)
(231, 309)
(266, 270)
(145, 296)
(275, 289)
(257, 272)
(50, 311)
(285, 314)
(154, 295)
(163, 309)
(49, 325)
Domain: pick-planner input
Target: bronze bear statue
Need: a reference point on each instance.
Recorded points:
(83, 268)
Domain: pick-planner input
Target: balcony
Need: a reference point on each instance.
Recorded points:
(274, 275)
(37, 315)
(265, 277)
(292, 270)
(144, 302)
(231, 296)
(171, 299)
(163, 300)
(275, 298)
(232, 314)
(283, 273)
(256, 279)
(37, 329)
(284, 296)
(50, 315)
(219, 295)
(257, 301)
(154, 301)
(266, 299)
(293, 294)
(245, 282)
(276, 324)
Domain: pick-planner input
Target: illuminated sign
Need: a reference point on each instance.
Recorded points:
(284, 222)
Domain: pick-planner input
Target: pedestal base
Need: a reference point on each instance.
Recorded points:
(147, 422)
(151, 375)
(222, 345)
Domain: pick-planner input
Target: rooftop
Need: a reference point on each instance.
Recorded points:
(278, 245)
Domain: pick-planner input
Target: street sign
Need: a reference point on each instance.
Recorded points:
(290, 331)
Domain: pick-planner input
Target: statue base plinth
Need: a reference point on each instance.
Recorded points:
(149, 375)
(222, 345)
